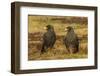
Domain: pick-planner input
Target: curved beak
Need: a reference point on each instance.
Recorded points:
(66, 29)
(45, 28)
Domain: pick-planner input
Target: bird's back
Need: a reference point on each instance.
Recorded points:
(71, 39)
(49, 38)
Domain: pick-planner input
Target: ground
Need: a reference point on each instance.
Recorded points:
(36, 31)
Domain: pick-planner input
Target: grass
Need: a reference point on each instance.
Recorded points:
(50, 56)
(36, 31)
(57, 54)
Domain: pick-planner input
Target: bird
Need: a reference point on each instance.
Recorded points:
(49, 38)
(71, 40)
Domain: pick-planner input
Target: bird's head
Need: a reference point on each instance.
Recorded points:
(68, 28)
(49, 27)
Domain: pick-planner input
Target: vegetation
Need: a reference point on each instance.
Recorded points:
(35, 33)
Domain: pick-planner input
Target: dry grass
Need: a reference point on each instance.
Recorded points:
(59, 51)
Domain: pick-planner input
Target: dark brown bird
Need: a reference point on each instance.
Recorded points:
(71, 41)
(49, 38)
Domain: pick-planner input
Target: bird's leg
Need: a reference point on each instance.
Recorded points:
(43, 50)
(68, 50)
(71, 50)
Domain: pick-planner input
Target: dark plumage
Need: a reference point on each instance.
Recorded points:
(71, 41)
(49, 38)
